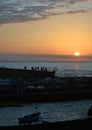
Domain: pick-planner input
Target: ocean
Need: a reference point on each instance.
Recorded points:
(52, 112)
(63, 68)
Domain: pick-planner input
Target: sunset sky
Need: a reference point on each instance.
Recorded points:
(59, 27)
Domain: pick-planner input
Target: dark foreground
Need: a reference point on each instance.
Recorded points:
(36, 85)
(71, 125)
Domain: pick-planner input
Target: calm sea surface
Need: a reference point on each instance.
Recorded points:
(57, 111)
(62, 68)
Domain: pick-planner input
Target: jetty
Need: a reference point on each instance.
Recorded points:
(26, 73)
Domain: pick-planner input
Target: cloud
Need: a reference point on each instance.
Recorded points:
(31, 10)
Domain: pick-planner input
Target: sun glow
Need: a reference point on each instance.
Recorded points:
(76, 53)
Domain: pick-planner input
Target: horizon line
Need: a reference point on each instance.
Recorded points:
(21, 54)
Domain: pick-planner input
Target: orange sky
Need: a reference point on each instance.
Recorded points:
(57, 34)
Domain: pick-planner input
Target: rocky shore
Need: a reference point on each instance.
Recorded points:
(47, 88)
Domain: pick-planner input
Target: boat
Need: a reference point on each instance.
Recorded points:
(27, 119)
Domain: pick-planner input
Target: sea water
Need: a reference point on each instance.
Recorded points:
(52, 112)
(63, 68)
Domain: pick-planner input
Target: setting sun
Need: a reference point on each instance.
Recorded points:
(76, 53)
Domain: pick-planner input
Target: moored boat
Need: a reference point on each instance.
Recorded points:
(27, 119)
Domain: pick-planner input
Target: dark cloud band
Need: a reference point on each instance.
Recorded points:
(26, 10)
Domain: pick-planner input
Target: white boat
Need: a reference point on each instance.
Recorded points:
(27, 119)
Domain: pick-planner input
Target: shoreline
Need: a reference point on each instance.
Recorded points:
(54, 91)
(12, 100)
(72, 124)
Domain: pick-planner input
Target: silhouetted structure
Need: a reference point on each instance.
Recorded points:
(25, 73)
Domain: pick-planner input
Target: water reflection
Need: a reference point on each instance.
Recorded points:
(51, 112)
